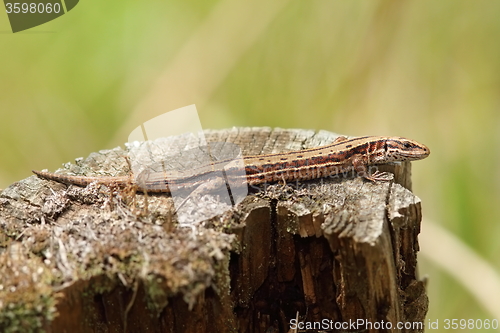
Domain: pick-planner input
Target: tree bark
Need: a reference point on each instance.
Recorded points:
(327, 251)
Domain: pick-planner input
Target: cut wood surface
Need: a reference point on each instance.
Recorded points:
(99, 259)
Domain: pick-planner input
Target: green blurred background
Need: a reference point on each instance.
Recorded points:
(427, 70)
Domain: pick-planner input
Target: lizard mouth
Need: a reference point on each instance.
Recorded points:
(415, 155)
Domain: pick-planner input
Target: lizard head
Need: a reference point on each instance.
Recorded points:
(401, 149)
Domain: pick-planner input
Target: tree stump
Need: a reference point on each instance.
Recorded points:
(340, 253)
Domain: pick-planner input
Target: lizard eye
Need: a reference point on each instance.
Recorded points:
(407, 145)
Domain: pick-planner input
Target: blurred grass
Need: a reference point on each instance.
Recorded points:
(422, 69)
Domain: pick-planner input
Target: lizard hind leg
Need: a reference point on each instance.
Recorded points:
(340, 139)
(128, 193)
